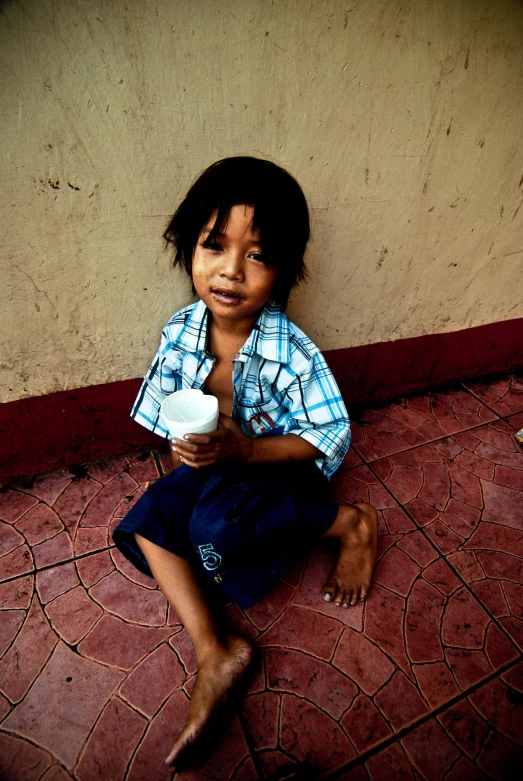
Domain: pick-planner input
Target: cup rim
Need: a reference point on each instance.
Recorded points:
(200, 422)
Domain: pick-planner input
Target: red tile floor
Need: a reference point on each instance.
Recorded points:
(423, 682)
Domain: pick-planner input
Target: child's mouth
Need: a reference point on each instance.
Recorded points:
(225, 296)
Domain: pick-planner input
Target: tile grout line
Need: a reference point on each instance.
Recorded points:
(250, 745)
(398, 736)
(35, 571)
(486, 403)
(441, 556)
(428, 442)
(158, 462)
(341, 471)
(449, 564)
(422, 528)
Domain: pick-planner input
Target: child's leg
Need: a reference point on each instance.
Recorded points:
(222, 657)
(283, 507)
(355, 527)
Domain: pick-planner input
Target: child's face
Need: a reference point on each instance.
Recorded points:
(229, 274)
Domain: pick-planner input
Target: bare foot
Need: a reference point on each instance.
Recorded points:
(356, 529)
(218, 676)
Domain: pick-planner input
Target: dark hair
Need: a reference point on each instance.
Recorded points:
(280, 213)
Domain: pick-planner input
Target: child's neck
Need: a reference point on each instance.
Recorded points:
(226, 335)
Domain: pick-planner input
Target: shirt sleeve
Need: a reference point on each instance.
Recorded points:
(162, 379)
(319, 414)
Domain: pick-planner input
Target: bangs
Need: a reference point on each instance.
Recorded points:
(222, 212)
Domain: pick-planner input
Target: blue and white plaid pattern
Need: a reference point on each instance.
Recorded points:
(281, 381)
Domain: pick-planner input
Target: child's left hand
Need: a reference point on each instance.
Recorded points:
(227, 443)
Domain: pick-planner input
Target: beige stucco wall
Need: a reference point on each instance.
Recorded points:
(402, 120)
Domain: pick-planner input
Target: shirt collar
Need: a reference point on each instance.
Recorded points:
(269, 337)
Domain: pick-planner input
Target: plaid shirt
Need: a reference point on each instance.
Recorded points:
(281, 381)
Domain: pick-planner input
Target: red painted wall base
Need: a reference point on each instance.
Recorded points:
(81, 426)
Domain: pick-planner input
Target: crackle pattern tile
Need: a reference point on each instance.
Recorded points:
(357, 676)
(67, 653)
(504, 395)
(478, 738)
(89, 640)
(465, 493)
(353, 679)
(411, 421)
(54, 518)
(347, 694)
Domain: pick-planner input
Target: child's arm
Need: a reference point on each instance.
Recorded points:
(230, 443)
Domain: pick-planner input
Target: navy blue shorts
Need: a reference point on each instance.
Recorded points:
(244, 525)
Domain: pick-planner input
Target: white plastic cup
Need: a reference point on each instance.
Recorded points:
(189, 412)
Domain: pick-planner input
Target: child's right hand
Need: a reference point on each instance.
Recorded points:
(227, 443)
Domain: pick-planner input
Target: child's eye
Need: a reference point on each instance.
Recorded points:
(212, 245)
(257, 256)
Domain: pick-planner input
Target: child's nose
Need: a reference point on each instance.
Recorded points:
(232, 265)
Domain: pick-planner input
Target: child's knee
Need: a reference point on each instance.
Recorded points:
(140, 541)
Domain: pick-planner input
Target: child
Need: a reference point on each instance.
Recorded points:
(242, 502)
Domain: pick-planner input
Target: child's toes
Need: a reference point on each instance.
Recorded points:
(341, 598)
